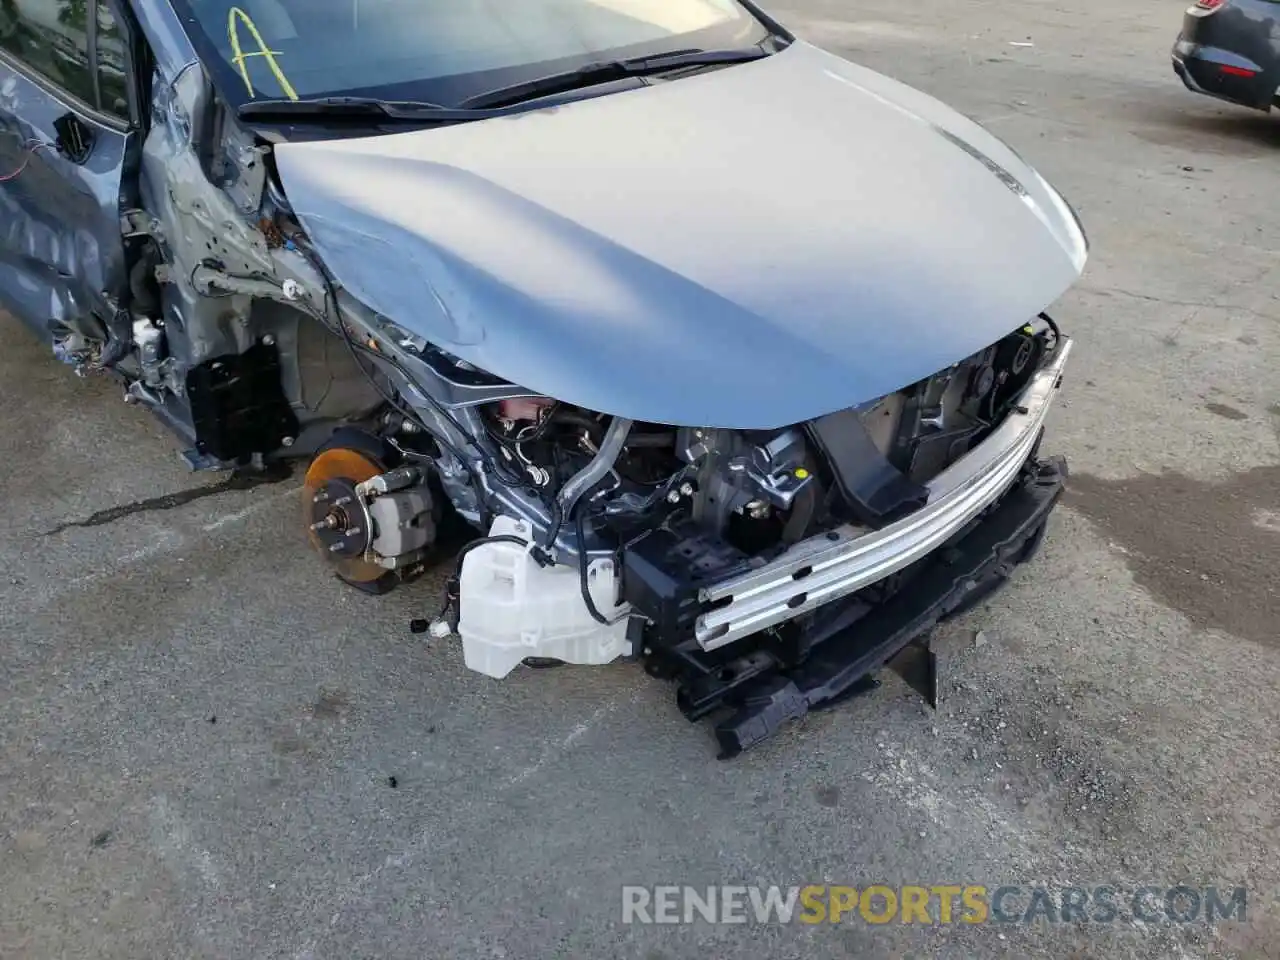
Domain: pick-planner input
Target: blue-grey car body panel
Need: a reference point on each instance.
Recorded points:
(746, 248)
(61, 252)
(169, 44)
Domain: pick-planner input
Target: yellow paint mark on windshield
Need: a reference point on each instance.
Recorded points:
(233, 34)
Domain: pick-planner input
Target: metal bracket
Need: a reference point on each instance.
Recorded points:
(917, 664)
(139, 223)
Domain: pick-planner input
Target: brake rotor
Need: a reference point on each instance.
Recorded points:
(338, 522)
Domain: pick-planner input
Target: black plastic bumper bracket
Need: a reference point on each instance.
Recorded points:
(952, 580)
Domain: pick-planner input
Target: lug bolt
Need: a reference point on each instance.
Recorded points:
(335, 548)
(286, 441)
(673, 496)
(328, 523)
(686, 488)
(342, 501)
(320, 497)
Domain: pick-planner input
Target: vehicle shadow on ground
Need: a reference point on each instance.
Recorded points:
(1230, 131)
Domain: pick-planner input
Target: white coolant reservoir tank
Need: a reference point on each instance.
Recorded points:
(511, 608)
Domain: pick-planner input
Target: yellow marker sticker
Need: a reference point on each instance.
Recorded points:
(233, 34)
(801, 473)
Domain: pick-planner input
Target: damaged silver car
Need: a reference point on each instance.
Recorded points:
(733, 353)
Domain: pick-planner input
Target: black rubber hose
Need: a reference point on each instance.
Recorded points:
(583, 564)
(557, 521)
(480, 542)
(650, 440)
(595, 429)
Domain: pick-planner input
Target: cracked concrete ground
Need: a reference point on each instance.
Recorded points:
(200, 733)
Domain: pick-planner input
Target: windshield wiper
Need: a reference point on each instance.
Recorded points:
(357, 107)
(489, 104)
(604, 71)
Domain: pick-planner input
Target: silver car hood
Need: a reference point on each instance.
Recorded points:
(748, 247)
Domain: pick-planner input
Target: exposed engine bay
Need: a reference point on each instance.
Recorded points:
(604, 534)
(766, 571)
(584, 484)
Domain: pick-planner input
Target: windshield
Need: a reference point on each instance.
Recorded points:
(442, 51)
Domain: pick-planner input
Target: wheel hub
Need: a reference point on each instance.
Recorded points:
(338, 522)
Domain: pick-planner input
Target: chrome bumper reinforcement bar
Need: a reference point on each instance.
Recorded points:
(842, 561)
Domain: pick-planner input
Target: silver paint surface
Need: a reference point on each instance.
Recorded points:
(749, 247)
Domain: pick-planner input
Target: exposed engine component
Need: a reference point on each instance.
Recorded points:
(609, 537)
(754, 476)
(945, 416)
(754, 491)
(776, 469)
(148, 338)
(751, 492)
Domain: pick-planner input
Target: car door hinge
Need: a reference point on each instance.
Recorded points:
(139, 223)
